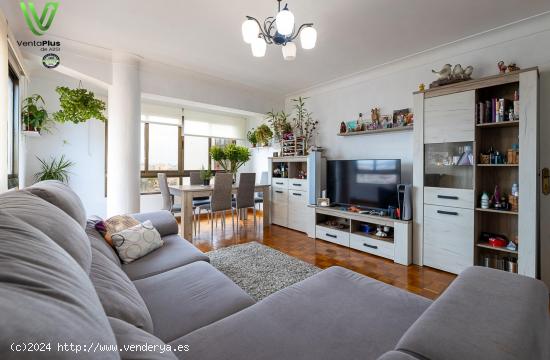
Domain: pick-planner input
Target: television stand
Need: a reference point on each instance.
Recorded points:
(349, 229)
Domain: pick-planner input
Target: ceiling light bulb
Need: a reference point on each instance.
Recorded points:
(250, 31)
(285, 22)
(258, 47)
(289, 51)
(308, 38)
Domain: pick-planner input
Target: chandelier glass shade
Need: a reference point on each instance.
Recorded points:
(278, 30)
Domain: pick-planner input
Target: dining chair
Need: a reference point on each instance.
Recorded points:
(221, 199)
(167, 198)
(246, 195)
(199, 203)
(259, 196)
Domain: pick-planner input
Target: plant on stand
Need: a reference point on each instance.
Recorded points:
(251, 137)
(264, 135)
(304, 124)
(78, 106)
(54, 170)
(205, 175)
(230, 157)
(34, 115)
(280, 124)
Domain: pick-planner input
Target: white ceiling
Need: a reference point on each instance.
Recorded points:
(205, 35)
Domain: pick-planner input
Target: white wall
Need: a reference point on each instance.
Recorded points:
(83, 144)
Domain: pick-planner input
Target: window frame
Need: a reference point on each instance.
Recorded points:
(181, 172)
(13, 172)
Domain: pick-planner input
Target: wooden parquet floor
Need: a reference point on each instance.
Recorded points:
(423, 281)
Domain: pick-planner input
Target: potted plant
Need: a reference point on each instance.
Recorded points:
(54, 170)
(264, 135)
(206, 175)
(230, 157)
(33, 114)
(78, 106)
(304, 124)
(251, 137)
(279, 123)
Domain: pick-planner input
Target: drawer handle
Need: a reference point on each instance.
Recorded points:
(278, 191)
(297, 184)
(447, 212)
(447, 197)
(370, 246)
(332, 236)
(278, 183)
(296, 194)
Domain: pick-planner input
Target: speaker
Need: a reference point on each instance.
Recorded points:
(404, 198)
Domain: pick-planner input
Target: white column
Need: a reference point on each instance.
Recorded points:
(123, 172)
(4, 75)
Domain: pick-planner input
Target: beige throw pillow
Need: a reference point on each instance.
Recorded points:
(136, 242)
(117, 224)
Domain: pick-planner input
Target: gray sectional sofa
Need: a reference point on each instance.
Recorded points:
(64, 294)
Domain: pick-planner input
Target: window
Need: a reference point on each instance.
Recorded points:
(177, 147)
(13, 130)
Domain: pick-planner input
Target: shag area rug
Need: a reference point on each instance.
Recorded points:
(260, 270)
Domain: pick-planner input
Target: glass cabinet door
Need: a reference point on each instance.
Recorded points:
(449, 165)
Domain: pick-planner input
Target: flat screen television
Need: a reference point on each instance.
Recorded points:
(366, 183)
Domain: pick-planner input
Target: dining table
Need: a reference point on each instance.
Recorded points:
(188, 192)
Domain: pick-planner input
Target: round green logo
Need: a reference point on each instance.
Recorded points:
(50, 61)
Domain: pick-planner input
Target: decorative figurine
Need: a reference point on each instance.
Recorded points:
(450, 75)
(501, 67)
(495, 200)
(380, 233)
(343, 128)
(375, 115)
(444, 73)
(513, 67)
(422, 87)
(485, 201)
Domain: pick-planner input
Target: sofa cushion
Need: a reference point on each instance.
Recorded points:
(189, 297)
(174, 253)
(484, 314)
(398, 355)
(335, 314)
(62, 196)
(50, 220)
(98, 242)
(45, 296)
(136, 344)
(117, 293)
(136, 242)
(163, 221)
(116, 224)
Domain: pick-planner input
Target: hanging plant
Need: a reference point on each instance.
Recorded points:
(78, 106)
(34, 114)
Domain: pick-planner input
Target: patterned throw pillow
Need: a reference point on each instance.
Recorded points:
(137, 241)
(114, 225)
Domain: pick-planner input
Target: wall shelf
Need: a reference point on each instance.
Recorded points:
(30, 133)
(498, 165)
(378, 131)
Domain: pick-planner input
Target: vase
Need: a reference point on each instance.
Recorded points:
(206, 182)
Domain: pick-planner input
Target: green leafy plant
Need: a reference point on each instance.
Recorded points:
(251, 137)
(78, 106)
(279, 123)
(56, 169)
(33, 114)
(230, 157)
(206, 175)
(264, 134)
(304, 123)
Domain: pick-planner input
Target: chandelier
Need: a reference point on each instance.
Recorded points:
(278, 30)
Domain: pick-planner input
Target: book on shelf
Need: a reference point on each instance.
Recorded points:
(495, 110)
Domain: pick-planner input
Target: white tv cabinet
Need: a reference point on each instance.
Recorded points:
(348, 233)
